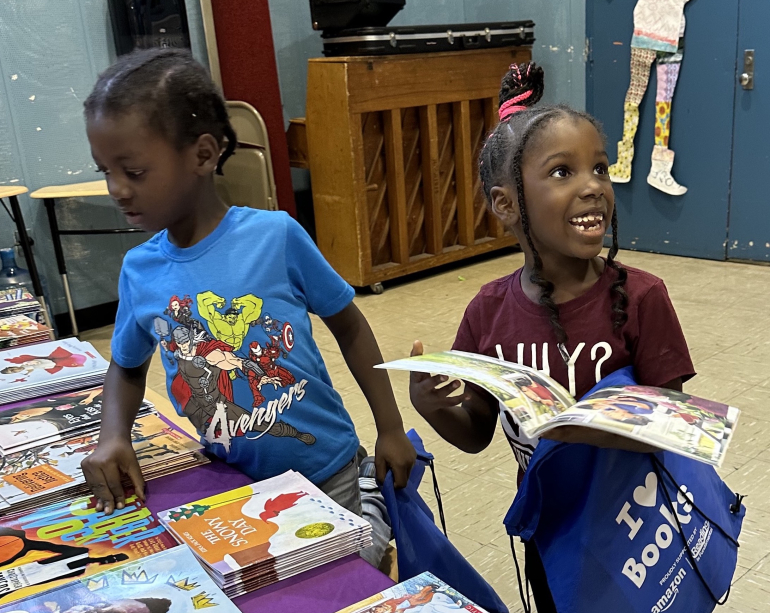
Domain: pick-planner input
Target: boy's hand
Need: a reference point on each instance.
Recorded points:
(425, 393)
(394, 450)
(103, 470)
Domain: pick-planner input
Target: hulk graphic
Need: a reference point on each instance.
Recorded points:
(232, 326)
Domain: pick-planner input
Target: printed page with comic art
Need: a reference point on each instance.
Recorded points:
(690, 426)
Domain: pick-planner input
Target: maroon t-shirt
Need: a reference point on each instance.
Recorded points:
(502, 322)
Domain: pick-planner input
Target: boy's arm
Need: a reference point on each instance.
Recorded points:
(362, 354)
(114, 456)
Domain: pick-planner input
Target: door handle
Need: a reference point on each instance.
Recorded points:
(746, 78)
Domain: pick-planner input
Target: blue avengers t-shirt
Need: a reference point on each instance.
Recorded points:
(231, 314)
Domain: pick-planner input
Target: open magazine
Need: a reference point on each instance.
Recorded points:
(693, 427)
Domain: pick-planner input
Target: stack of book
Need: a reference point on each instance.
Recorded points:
(49, 368)
(55, 544)
(255, 535)
(165, 582)
(18, 300)
(18, 330)
(32, 423)
(51, 472)
(425, 592)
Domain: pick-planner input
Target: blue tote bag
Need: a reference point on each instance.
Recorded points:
(631, 532)
(421, 546)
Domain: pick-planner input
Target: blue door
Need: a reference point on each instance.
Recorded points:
(695, 224)
(749, 221)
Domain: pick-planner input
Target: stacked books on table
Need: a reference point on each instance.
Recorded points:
(51, 472)
(71, 539)
(165, 582)
(255, 535)
(18, 300)
(49, 368)
(18, 330)
(33, 423)
(424, 592)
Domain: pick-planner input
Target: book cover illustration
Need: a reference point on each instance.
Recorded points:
(675, 421)
(48, 419)
(49, 362)
(261, 522)
(45, 469)
(70, 539)
(20, 329)
(166, 582)
(422, 594)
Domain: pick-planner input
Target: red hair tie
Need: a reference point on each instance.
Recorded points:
(512, 106)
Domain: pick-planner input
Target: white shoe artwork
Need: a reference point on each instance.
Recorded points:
(660, 172)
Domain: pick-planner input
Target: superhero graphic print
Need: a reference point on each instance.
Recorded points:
(213, 351)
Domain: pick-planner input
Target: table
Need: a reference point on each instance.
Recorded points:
(326, 589)
(76, 190)
(12, 193)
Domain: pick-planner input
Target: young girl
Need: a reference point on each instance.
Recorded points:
(157, 128)
(568, 312)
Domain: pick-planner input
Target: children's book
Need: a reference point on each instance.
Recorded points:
(49, 368)
(690, 426)
(53, 470)
(21, 330)
(50, 546)
(165, 582)
(268, 531)
(18, 300)
(421, 594)
(49, 420)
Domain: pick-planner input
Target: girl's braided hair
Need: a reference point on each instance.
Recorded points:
(173, 92)
(500, 162)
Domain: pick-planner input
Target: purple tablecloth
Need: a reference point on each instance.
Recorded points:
(326, 589)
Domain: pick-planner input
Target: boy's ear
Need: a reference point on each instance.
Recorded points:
(505, 206)
(207, 152)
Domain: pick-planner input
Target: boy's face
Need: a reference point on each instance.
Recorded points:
(152, 182)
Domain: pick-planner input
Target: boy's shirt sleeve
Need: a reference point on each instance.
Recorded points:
(661, 352)
(132, 346)
(465, 339)
(312, 278)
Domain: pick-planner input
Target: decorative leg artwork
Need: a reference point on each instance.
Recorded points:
(662, 157)
(641, 62)
(656, 25)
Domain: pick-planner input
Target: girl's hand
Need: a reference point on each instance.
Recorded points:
(425, 393)
(394, 450)
(103, 470)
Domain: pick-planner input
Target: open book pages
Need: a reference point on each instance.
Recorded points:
(690, 426)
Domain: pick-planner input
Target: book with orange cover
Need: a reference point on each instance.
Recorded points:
(261, 533)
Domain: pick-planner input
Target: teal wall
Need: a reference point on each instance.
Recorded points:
(51, 52)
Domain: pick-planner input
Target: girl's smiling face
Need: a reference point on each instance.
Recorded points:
(567, 189)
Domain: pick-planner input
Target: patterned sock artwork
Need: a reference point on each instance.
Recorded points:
(658, 37)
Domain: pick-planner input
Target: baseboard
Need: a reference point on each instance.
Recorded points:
(88, 319)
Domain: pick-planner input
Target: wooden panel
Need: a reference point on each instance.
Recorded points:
(339, 194)
(478, 123)
(378, 83)
(463, 172)
(376, 186)
(394, 163)
(413, 182)
(296, 138)
(447, 175)
(431, 178)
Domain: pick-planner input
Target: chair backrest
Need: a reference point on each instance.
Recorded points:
(248, 176)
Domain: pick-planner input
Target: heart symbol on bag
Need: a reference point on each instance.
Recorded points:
(647, 494)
